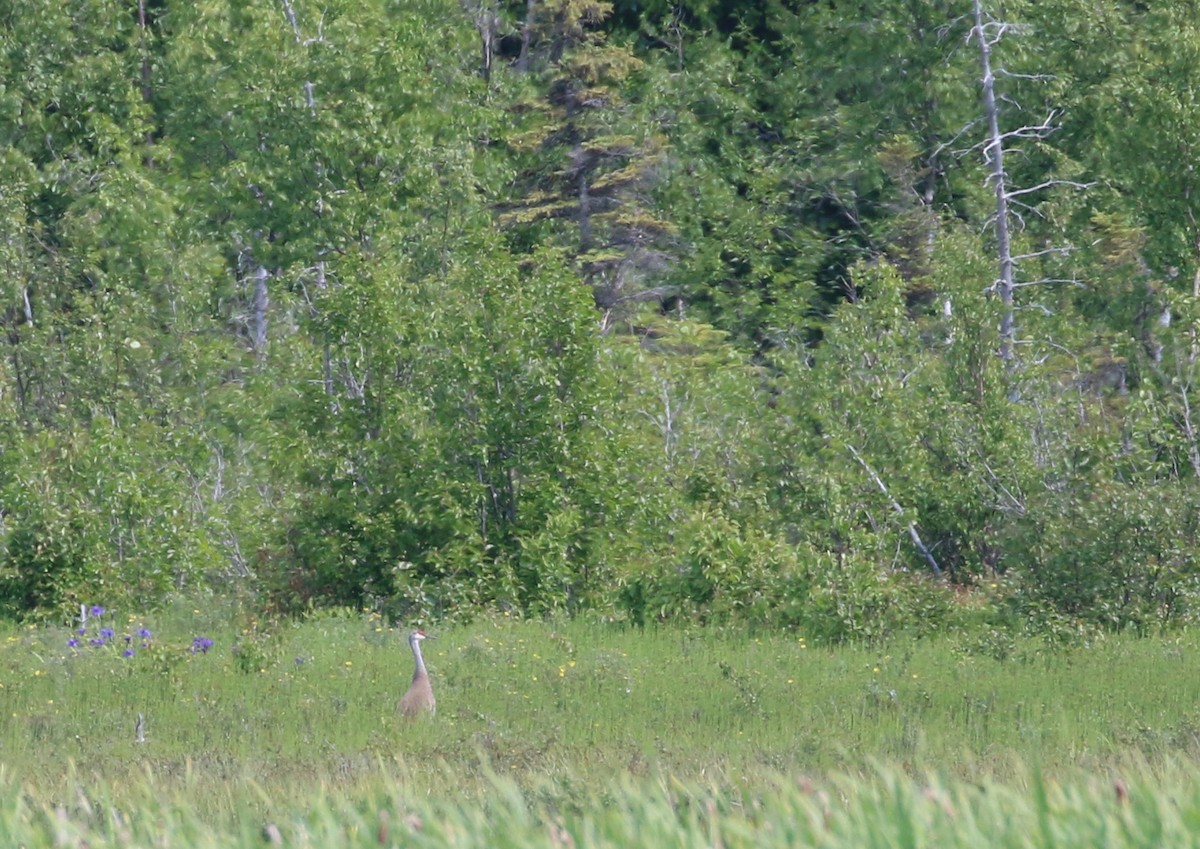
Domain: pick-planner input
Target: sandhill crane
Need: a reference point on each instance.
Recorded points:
(419, 698)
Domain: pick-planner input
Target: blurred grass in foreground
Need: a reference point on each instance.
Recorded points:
(885, 807)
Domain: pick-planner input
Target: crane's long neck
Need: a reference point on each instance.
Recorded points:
(419, 671)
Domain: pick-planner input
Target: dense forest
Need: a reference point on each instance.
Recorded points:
(844, 317)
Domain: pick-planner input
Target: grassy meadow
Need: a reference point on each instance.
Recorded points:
(586, 734)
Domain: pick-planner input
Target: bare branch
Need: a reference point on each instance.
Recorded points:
(1045, 281)
(991, 31)
(1062, 250)
(967, 128)
(1189, 431)
(1030, 131)
(1027, 208)
(922, 549)
(1048, 184)
(290, 14)
(1012, 75)
(1015, 503)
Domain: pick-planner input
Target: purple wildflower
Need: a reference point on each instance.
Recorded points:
(127, 653)
(201, 645)
(73, 643)
(96, 610)
(95, 642)
(144, 633)
(107, 634)
(81, 631)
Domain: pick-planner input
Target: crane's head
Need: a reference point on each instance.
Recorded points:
(417, 635)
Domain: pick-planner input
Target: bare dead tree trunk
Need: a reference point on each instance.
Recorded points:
(487, 24)
(993, 152)
(989, 32)
(13, 337)
(487, 37)
(258, 312)
(526, 36)
(1189, 428)
(585, 210)
(147, 91)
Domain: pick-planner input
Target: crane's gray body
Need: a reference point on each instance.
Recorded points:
(419, 698)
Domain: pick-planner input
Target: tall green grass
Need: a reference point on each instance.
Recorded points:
(318, 699)
(886, 808)
(586, 722)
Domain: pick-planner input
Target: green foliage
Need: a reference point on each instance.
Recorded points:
(1130, 109)
(676, 311)
(1110, 555)
(94, 515)
(461, 453)
(851, 599)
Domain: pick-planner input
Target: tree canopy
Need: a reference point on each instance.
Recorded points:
(699, 309)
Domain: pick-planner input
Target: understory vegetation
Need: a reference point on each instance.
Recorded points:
(710, 312)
